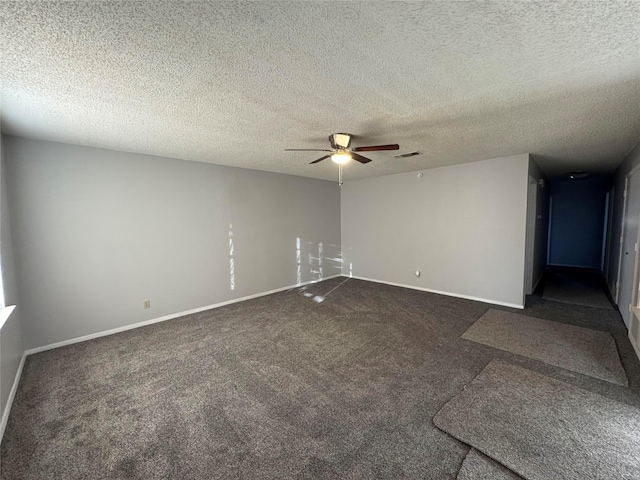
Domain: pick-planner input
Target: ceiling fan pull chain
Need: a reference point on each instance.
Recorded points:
(339, 175)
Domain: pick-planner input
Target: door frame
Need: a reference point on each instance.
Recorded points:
(530, 239)
(607, 259)
(621, 240)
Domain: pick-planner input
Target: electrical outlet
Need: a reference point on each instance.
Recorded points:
(147, 304)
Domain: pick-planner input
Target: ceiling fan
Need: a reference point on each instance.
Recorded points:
(341, 153)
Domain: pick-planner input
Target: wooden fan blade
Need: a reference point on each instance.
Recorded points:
(320, 159)
(307, 150)
(359, 158)
(375, 148)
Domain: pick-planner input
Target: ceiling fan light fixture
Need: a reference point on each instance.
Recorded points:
(341, 157)
(340, 152)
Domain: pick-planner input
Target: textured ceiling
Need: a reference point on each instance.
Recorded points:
(235, 83)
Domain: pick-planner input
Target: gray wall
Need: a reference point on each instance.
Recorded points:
(463, 227)
(97, 232)
(11, 348)
(577, 222)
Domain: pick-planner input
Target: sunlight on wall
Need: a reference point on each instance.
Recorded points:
(310, 258)
(315, 263)
(327, 260)
(298, 262)
(232, 273)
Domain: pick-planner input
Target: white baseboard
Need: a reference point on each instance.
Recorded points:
(112, 331)
(12, 395)
(439, 292)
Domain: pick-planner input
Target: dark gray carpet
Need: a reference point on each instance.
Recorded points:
(477, 466)
(580, 286)
(544, 429)
(275, 387)
(583, 350)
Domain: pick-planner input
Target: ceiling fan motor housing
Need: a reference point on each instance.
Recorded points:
(340, 140)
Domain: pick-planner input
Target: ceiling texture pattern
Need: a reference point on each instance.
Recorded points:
(235, 83)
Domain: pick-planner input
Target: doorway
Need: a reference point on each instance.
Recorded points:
(578, 222)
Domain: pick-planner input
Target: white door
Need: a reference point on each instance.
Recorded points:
(629, 247)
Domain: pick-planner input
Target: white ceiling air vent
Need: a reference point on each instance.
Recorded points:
(405, 155)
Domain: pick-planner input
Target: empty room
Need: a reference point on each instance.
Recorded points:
(332, 240)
